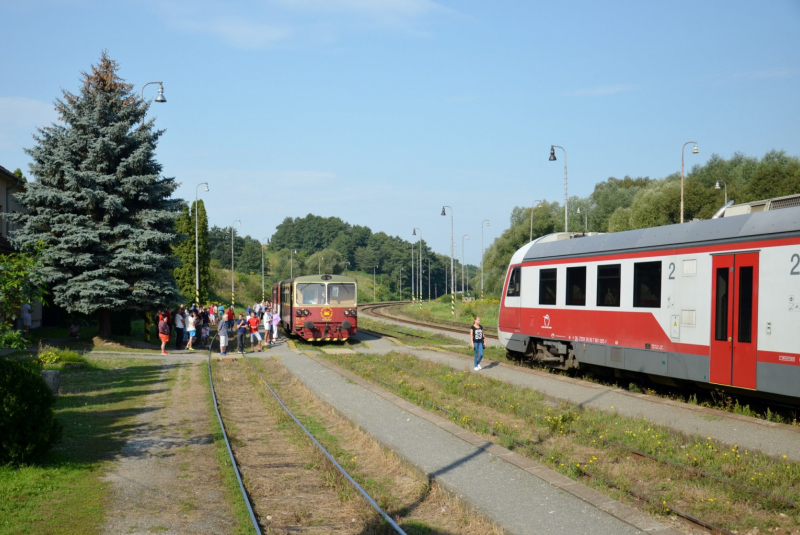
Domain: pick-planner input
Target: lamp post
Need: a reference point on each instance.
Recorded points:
(726, 189)
(585, 219)
(292, 252)
(159, 98)
(262, 271)
(487, 224)
(462, 264)
(419, 272)
(374, 285)
(683, 150)
(413, 287)
(429, 279)
(401, 283)
(319, 264)
(552, 159)
(452, 266)
(196, 243)
(233, 301)
(537, 203)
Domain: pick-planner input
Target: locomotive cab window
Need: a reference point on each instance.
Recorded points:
(647, 284)
(514, 283)
(609, 281)
(311, 294)
(342, 294)
(548, 283)
(576, 286)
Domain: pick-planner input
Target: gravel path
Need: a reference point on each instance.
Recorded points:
(166, 478)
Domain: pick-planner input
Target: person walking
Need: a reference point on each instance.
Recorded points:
(179, 326)
(163, 332)
(222, 331)
(268, 327)
(191, 328)
(230, 314)
(477, 341)
(276, 319)
(241, 330)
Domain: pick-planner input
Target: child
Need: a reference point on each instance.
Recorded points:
(163, 332)
(205, 331)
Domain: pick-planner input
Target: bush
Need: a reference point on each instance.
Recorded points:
(28, 428)
(55, 357)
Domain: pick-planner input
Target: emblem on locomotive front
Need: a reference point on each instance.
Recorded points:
(326, 313)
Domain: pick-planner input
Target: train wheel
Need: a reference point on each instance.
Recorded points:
(516, 356)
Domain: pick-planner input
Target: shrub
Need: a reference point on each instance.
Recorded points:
(53, 356)
(28, 427)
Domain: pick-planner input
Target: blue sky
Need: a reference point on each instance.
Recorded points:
(381, 111)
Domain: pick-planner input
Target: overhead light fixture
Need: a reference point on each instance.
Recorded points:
(552, 153)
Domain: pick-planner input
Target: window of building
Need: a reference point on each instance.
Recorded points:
(647, 284)
(514, 283)
(576, 286)
(609, 281)
(548, 284)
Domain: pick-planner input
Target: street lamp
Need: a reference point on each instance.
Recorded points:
(292, 252)
(262, 270)
(726, 189)
(429, 278)
(401, 283)
(552, 159)
(374, 285)
(683, 150)
(462, 264)
(452, 265)
(196, 249)
(413, 286)
(232, 294)
(159, 98)
(419, 272)
(537, 203)
(487, 224)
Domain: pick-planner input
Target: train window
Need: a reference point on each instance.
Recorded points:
(342, 294)
(310, 294)
(576, 286)
(514, 283)
(647, 284)
(721, 298)
(548, 284)
(609, 280)
(745, 319)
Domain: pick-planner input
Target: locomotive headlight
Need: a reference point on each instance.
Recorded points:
(353, 312)
(298, 313)
(306, 312)
(346, 312)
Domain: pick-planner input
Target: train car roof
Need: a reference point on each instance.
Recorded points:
(732, 229)
(320, 278)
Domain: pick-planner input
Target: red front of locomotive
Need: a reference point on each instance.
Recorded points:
(318, 323)
(323, 308)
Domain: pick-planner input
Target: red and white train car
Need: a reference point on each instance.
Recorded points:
(714, 302)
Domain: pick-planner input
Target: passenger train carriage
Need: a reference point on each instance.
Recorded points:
(318, 307)
(716, 302)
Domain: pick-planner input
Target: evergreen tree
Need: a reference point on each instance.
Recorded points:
(184, 251)
(99, 203)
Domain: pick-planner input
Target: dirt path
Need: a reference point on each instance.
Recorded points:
(166, 478)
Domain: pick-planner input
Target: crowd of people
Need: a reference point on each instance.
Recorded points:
(192, 327)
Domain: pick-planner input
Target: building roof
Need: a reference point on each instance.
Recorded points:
(770, 225)
(7, 173)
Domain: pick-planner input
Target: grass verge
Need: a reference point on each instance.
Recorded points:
(65, 493)
(572, 440)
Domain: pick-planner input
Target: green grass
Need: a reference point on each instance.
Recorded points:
(440, 311)
(572, 439)
(65, 493)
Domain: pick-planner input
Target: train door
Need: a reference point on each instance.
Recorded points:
(734, 319)
(513, 299)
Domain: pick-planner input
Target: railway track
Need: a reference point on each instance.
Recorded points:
(237, 465)
(378, 309)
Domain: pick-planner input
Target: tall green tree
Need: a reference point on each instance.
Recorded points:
(99, 202)
(184, 251)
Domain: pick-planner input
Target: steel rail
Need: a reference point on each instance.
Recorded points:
(373, 309)
(333, 461)
(228, 445)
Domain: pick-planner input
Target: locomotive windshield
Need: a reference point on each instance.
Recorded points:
(310, 294)
(342, 294)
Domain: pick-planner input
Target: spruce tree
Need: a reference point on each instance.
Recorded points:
(185, 252)
(99, 203)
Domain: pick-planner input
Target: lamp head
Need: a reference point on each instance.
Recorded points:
(552, 153)
(443, 212)
(579, 209)
(206, 186)
(695, 150)
(414, 233)
(488, 223)
(160, 97)
(716, 186)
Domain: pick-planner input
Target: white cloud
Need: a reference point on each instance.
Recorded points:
(603, 90)
(759, 75)
(19, 118)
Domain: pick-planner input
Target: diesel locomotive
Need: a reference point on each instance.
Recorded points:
(318, 307)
